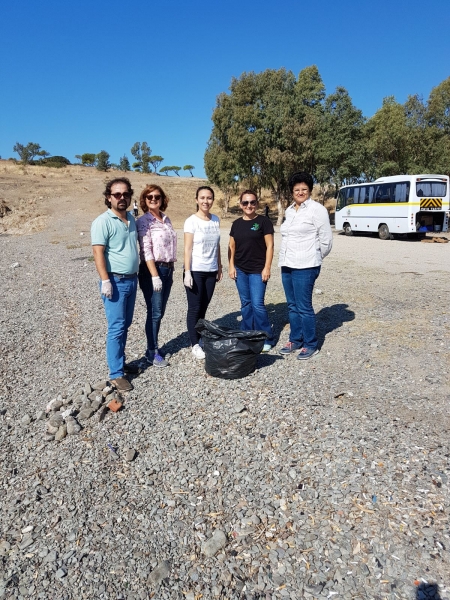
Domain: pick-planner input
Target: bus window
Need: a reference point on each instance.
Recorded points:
(400, 192)
(355, 195)
(431, 189)
(341, 200)
(382, 193)
(371, 197)
(363, 194)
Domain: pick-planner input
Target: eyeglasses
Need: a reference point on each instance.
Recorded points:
(118, 195)
(249, 202)
(154, 198)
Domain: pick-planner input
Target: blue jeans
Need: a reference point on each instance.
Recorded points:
(252, 289)
(119, 315)
(298, 287)
(156, 301)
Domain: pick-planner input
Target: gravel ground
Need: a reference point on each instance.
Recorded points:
(322, 479)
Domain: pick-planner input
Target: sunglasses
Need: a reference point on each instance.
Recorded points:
(249, 202)
(118, 195)
(155, 198)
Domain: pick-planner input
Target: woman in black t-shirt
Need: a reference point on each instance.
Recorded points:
(250, 258)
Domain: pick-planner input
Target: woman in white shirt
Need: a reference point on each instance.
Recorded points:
(306, 239)
(202, 264)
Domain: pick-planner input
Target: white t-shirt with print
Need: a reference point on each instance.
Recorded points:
(206, 242)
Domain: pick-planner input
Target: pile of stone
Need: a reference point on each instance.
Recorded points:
(67, 415)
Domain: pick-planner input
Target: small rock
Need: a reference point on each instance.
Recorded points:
(4, 547)
(67, 413)
(214, 544)
(40, 415)
(25, 420)
(51, 429)
(87, 389)
(102, 413)
(54, 404)
(85, 414)
(61, 573)
(97, 403)
(313, 589)
(72, 426)
(130, 455)
(100, 385)
(26, 542)
(318, 292)
(239, 408)
(56, 420)
(15, 265)
(95, 396)
(160, 573)
(27, 529)
(61, 433)
(51, 557)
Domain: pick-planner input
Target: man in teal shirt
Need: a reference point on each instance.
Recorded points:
(114, 244)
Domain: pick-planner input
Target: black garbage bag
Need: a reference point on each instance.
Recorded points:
(230, 353)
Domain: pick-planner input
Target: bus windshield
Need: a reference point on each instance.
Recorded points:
(431, 189)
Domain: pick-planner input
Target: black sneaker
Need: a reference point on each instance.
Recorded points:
(306, 353)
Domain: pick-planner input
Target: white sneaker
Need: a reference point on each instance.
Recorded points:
(198, 352)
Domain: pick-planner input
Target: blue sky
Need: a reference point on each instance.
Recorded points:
(100, 75)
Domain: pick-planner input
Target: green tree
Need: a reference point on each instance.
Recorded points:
(439, 106)
(141, 153)
(78, 157)
(88, 159)
(340, 146)
(103, 163)
(189, 168)
(221, 171)
(28, 152)
(165, 170)
(267, 127)
(155, 161)
(386, 134)
(124, 163)
(176, 170)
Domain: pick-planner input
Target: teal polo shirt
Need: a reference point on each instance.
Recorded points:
(120, 241)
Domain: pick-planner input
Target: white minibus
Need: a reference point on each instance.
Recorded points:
(406, 204)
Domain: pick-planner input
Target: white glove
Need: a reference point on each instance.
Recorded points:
(106, 289)
(157, 284)
(188, 281)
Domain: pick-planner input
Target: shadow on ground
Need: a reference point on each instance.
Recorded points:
(428, 591)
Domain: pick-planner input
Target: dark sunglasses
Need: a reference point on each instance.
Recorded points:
(249, 202)
(155, 197)
(118, 195)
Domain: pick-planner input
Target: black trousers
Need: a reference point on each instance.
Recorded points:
(198, 298)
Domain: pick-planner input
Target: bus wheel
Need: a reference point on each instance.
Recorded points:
(347, 229)
(384, 233)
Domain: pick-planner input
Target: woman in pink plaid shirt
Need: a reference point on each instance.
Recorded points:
(158, 253)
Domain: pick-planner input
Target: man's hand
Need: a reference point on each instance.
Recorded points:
(232, 273)
(106, 289)
(188, 281)
(157, 284)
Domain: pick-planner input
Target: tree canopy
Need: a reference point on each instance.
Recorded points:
(28, 152)
(272, 123)
(141, 153)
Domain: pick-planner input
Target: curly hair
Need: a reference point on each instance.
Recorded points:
(245, 192)
(301, 177)
(109, 184)
(151, 188)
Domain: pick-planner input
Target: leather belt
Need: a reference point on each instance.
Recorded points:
(160, 263)
(124, 275)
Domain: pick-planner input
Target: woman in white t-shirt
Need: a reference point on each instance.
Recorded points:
(202, 264)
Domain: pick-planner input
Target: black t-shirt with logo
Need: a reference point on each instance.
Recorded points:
(250, 255)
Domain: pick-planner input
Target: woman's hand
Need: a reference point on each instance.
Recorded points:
(219, 273)
(187, 280)
(265, 275)
(232, 273)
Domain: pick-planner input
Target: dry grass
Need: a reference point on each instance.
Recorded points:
(67, 200)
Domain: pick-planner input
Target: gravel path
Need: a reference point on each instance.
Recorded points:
(323, 479)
